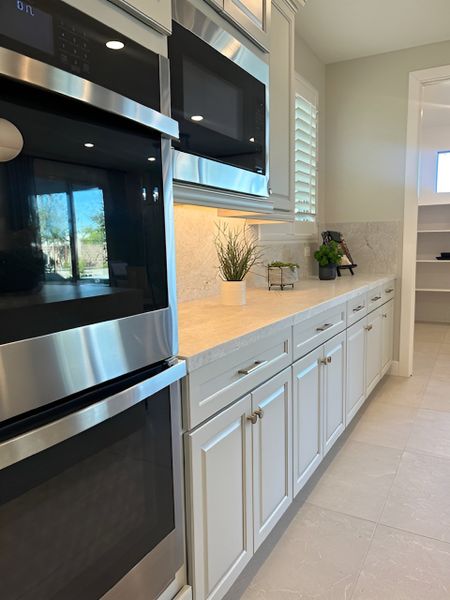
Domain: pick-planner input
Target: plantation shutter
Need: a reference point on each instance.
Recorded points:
(305, 159)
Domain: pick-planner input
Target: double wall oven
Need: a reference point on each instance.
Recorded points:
(90, 452)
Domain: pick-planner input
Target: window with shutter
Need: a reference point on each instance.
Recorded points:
(305, 154)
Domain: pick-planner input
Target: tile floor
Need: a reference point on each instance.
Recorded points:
(375, 522)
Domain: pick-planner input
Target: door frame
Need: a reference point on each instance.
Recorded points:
(417, 80)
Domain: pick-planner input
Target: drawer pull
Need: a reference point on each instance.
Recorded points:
(256, 365)
(389, 291)
(253, 419)
(324, 327)
(384, 315)
(375, 299)
(259, 413)
(358, 308)
(368, 328)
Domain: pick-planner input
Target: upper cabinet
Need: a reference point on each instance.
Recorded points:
(252, 17)
(157, 13)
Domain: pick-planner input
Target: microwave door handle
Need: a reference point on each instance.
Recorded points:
(37, 440)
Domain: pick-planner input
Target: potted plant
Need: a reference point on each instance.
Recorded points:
(282, 273)
(328, 256)
(237, 252)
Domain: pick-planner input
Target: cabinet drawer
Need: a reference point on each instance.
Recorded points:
(212, 387)
(374, 298)
(315, 331)
(388, 291)
(356, 308)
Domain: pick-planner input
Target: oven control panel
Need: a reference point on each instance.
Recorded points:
(73, 47)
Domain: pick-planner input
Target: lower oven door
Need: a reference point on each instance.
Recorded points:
(91, 504)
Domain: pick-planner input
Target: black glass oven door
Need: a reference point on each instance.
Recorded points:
(78, 516)
(82, 231)
(220, 107)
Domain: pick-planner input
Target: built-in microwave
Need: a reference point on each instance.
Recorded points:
(219, 90)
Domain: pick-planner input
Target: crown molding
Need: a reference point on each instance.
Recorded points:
(293, 5)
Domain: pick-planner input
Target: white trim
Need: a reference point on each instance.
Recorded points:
(417, 79)
(394, 368)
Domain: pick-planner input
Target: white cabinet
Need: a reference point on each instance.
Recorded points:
(282, 33)
(157, 13)
(253, 17)
(333, 390)
(387, 315)
(240, 483)
(355, 369)
(374, 329)
(220, 531)
(307, 419)
(272, 454)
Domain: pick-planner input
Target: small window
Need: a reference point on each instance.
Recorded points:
(443, 172)
(305, 153)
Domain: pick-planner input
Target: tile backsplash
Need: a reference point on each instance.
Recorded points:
(197, 275)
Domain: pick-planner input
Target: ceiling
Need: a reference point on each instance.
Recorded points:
(339, 30)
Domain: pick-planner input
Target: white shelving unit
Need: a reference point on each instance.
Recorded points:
(432, 275)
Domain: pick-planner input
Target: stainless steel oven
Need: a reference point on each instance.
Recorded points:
(219, 89)
(91, 495)
(87, 282)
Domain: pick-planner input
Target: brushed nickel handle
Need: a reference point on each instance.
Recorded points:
(323, 361)
(376, 298)
(358, 308)
(329, 359)
(384, 315)
(256, 365)
(368, 328)
(259, 413)
(389, 291)
(253, 418)
(324, 327)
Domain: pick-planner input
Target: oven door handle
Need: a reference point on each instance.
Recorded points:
(32, 442)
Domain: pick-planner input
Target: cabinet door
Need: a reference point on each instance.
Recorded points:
(272, 454)
(373, 350)
(387, 315)
(157, 13)
(281, 107)
(253, 16)
(356, 369)
(307, 417)
(333, 391)
(220, 499)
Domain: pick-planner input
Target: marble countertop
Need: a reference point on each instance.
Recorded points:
(208, 330)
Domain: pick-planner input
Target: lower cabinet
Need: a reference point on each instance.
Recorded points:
(374, 341)
(240, 483)
(387, 346)
(355, 369)
(319, 406)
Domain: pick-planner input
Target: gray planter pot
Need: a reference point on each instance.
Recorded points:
(327, 273)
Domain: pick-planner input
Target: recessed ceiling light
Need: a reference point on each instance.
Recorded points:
(252, 140)
(115, 45)
(197, 118)
(89, 145)
(151, 158)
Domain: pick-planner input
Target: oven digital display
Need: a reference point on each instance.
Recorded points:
(23, 22)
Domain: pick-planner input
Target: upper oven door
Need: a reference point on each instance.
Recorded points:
(219, 98)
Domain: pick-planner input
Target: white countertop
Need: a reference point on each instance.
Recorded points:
(208, 330)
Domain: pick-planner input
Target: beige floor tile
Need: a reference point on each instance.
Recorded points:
(430, 348)
(444, 350)
(403, 566)
(358, 480)
(419, 498)
(431, 433)
(437, 395)
(385, 425)
(318, 558)
(430, 332)
(407, 393)
(414, 384)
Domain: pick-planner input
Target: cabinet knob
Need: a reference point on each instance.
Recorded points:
(324, 361)
(389, 290)
(329, 359)
(384, 315)
(368, 328)
(253, 418)
(259, 413)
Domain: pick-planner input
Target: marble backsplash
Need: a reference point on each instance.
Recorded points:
(376, 247)
(197, 275)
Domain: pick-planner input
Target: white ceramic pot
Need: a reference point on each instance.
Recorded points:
(233, 293)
